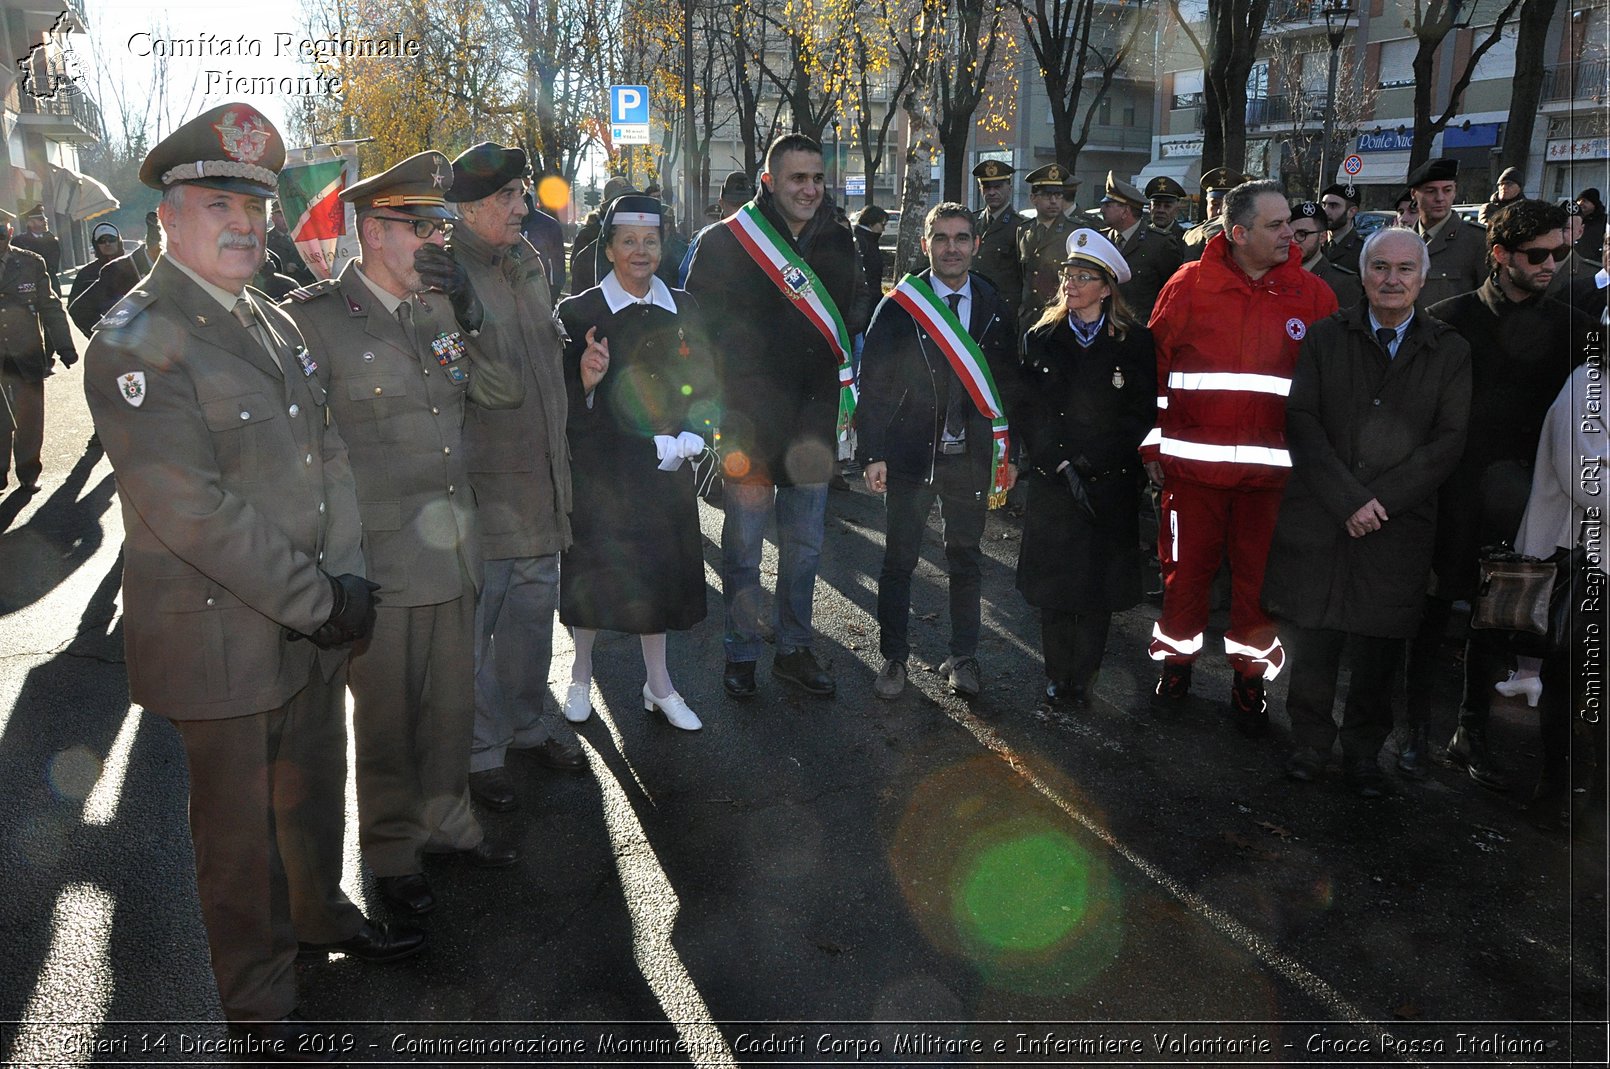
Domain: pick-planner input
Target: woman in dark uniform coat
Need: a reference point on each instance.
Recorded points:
(1090, 396)
(636, 563)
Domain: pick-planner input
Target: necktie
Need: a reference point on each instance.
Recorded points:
(955, 414)
(405, 316)
(1386, 336)
(247, 317)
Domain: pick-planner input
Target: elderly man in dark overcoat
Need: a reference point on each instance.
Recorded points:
(1375, 423)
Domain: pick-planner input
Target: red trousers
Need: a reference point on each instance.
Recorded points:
(1198, 526)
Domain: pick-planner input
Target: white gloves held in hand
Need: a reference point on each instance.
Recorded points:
(673, 451)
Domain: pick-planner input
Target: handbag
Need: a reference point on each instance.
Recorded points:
(1514, 592)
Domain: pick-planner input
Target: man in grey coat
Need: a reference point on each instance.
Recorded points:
(1375, 421)
(519, 464)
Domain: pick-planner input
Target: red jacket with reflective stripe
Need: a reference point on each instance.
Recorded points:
(1226, 346)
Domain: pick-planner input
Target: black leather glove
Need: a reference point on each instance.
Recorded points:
(1080, 496)
(353, 615)
(439, 271)
(69, 357)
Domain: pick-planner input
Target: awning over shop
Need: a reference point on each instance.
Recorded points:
(78, 196)
(1186, 170)
(1380, 169)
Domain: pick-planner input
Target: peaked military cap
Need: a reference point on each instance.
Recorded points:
(1221, 179)
(1440, 170)
(1050, 178)
(482, 170)
(417, 187)
(994, 171)
(233, 147)
(1164, 187)
(6, 217)
(36, 212)
(1090, 247)
(1122, 192)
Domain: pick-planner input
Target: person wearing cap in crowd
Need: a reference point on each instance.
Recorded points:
(1165, 197)
(242, 571)
(33, 332)
(1040, 243)
(519, 465)
(736, 189)
(1215, 184)
(1408, 211)
(1227, 329)
(1523, 346)
(397, 343)
(115, 279)
(1593, 223)
(642, 399)
(1506, 191)
(938, 385)
(998, 227)
(583, 251)
(36, 237)
(1088, 399)
(107, 244)
(1375, 422)
(776, 280)
(1342, 243)
(1070, 197)
(869, 226)
(283, 246)
(1308, 231)
(1458, 249)
(1151, 255)
(1575, 267)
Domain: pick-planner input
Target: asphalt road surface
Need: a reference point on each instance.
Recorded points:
(808, 881)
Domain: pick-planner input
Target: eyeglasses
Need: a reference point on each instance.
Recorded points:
(1081, 278)
(1535, 257)
(1304, 235)
(106, 240)
(423, 228)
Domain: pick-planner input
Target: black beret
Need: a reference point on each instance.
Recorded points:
(484, 169)
(1307, 209)
(1348, 192)
(1439, 170)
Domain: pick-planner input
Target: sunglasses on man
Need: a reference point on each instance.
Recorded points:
(1537, 257)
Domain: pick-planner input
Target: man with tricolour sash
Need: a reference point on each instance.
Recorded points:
(939, 362)
(782, 288)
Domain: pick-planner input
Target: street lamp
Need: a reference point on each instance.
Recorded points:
(1337, 15)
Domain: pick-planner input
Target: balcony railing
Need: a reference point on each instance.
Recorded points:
(70, 107)
(1585, 80)
(1285, 110)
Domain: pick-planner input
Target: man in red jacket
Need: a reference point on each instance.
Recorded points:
(1227, 329)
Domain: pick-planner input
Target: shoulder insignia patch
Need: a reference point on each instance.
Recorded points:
(124, 311)
(305, 294)
(131, 385)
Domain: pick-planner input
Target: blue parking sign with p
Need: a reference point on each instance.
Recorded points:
(628, 104)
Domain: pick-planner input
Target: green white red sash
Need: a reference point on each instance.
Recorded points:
(966, 360)
(794, 277)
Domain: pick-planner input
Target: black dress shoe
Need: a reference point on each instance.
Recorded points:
(738, 679)
(376, 941)
(492, 789)
(1305, 765)
(801, 669)
(1367, 780)
(289, 1039)
(1468, 750)
(485, 854)
(409, 895)
(563, 755)
(1063, 693)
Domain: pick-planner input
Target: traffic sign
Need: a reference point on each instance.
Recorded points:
(1353, 164)
(855, 185)
(628, 114)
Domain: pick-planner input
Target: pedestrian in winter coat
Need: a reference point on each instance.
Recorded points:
(1375, 423)
(1089, 397)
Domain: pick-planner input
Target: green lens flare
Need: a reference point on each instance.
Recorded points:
(1025, 895)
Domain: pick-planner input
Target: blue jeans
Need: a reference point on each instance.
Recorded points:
(801, 513)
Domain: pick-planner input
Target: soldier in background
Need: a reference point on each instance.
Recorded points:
(1215, 184)
(1152, 255)
(1343, 244)
(1308, 230)
(33, 330)
(998, 224)
(1458, 249)
(1166, 196)
(36, 237)
(1042, 244)
(283, 246)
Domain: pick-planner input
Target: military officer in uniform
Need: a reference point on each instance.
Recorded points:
(33, 330)
(1215, 184)
(998, 226)
(1166, 196)
(1343, 244)
(1153, 255)
(396, 335)
(1042, 243)
(36, 237)
(1458, 249)
(242, 575)
(1308, 231)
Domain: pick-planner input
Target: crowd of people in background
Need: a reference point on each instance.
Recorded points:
(1343, 419)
